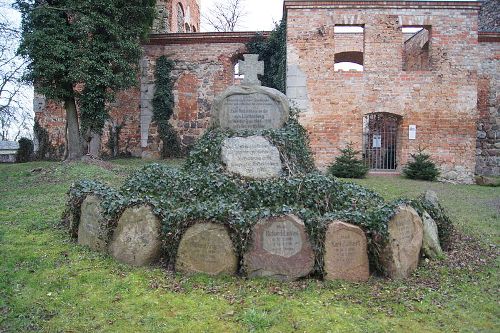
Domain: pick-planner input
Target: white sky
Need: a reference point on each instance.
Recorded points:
(261, 14)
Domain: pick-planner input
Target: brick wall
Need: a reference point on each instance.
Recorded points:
(204, 68)
(488, 127)
(441, 102)
(416, 52)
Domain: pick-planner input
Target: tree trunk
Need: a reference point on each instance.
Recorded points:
(73, 144)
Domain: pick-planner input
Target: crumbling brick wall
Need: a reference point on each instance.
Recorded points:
(204, 68)
(441, 102)
(488, 127)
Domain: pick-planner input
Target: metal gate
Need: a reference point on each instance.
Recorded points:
(380, 138)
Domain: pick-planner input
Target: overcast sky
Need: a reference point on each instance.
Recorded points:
(261, 14)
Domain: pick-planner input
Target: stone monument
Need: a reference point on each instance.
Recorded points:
(90, 230)
(401, 254)
(206, 248)
(252, 157)
(251, 107)
(280, 249)
(346, 255)
(136, 239)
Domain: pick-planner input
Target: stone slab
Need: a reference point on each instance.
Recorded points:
(206, 248)
(252, 157)
(401, 254)
(90, 230)
(250, 108)
(430, 243)
(346, 255)
(280, 249)
(136, 239)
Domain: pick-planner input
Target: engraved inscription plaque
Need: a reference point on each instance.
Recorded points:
(282, 238)
(252, 157)
(280, 249)
(250, 112)
(346, 255)
(250, 108)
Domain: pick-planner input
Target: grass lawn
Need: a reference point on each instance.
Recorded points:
(50, 284)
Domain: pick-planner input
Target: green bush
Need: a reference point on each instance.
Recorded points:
(348, 165)
(422, 167)
(25, 152)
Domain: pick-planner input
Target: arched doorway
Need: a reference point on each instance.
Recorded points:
(381, 141)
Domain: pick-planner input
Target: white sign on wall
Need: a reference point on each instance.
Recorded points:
(412, 132)
(377, 141)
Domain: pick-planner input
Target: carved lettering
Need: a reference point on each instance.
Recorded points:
(250, 112)
(282, 238)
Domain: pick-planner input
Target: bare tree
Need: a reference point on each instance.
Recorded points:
(225, 15)
(15, 116)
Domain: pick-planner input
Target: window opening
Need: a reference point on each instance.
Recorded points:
(349, 48)
(180, 18)
(416, 48)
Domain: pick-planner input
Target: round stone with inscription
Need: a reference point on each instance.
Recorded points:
(250, 108)
(401, 254)
(346, 255)
(90, 229)
(206, 248)
(252, 157)
(136, 239)
(280, 249)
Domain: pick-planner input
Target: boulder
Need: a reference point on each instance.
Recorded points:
(346, 255)
(206, 248)
(280, 249)
(136, 239)
(91, 231)
(430, 244)
(401, 254)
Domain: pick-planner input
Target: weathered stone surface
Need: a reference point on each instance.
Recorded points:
(206, 248)
(250, 108)
(90, 231)
(432, 198)
(487, 181)
(252, 157)
(136, 239)
(346, 255)
(280, 249)
(430, 244)
(251, 67)
(400, 256)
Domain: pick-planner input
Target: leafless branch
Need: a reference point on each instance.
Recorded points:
(225, 15)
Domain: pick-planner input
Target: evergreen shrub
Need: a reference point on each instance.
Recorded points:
(25, 151)
(348, 165)
(422, 167)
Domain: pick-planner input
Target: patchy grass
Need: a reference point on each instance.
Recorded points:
(50, 284)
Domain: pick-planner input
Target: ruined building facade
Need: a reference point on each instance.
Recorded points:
(392, 77)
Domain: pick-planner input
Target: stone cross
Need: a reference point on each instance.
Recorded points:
(250, 67)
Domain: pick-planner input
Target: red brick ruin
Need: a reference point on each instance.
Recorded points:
(423, 74)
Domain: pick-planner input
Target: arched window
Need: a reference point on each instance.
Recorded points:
(187, 27)
(193, 29)
(349, 47)
(180, 18)
(347, 61)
